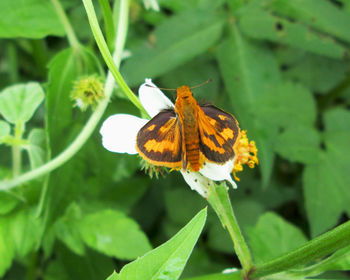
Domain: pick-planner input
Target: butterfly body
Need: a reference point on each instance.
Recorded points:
(188, 135)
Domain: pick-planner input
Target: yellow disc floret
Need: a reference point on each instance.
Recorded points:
(246, 153)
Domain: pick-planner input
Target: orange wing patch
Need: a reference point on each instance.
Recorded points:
(160, 140)
(218, 132)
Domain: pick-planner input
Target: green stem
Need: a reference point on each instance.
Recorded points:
(314, 249)
(101, 43)
(72, 38)
(91, 124)
(220, 201)
(17, 150)
(108, 20)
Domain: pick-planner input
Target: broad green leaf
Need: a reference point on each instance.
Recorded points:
(168, 260)
(177, 40)
(7, 250)
(328, 180)
(114, 234)
(299, 144)
(29, 19)
(287, 104)
(260, 24)
(4, 129)
(318, 73)
(273, 236)
(25, 229)
(67, 230)
(248, 69)
(322, 15)
(7, 202)
(113, 276)
(66, 265)
(234, 275)
(36, 147)
(19, 102)
(65, 68)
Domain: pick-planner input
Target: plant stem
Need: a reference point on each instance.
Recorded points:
(220, 201)
(317, 248)
(72, 38)
(17, 150)
(108, 22)
(101, 43)
(91, 124)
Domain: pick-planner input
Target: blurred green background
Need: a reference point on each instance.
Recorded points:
(281, 67)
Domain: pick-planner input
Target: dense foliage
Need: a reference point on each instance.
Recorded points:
(280, 66)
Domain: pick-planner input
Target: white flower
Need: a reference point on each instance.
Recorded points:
(119, 135)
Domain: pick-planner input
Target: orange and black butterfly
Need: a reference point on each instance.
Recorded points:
(188, 135)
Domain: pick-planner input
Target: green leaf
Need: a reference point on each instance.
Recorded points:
(320, 74)
(299, 144)
(29, 19)
(67, 231)
(327, 180)
(65, 68)
(260, 24)
(7, 202)
(113, 276)
(19, 102)
(114, 234)
(168, 260)
(4, 129)
(273, 236)
(322, 15)
(287, 104)
(178, 39)
(235, 275)
(248, 69)
(36, 147)
(7, 250)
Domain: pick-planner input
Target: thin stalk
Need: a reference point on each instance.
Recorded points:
(17, 150)
(102, 45)
(91, 124)
(317, 248)
(72, 38)
(108, 23)
(220, 201)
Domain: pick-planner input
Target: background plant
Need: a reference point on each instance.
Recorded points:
(71, 210)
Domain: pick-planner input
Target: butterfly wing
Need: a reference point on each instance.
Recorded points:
(218, 132)
(160, 140)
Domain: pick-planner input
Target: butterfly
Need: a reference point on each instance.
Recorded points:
(188, 135)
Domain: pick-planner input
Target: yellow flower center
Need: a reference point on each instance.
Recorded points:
(246, 153)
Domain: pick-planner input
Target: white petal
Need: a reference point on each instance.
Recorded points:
(197, 182)
(219, 172)
(153, 99)
(119, 133)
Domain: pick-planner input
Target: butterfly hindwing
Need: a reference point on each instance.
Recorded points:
(160, 140)
(218, 132)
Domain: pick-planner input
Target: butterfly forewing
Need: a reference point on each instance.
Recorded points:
(218, 132)
(160, 140)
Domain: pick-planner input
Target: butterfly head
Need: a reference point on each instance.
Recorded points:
(183, 92)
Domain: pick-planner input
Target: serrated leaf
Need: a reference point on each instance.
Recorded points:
(114, 234)
(328, 179)
(321, 15)
(248, 69)
(29, 19)
(36, 147)
(299, 144)
(273, 236)
(113, 276)
(177, 40)
(261, 24)
(4, 129)
(19, 102)
(168, 260)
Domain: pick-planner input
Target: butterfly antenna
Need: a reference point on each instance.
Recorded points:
(173, 89)
(202, 84)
